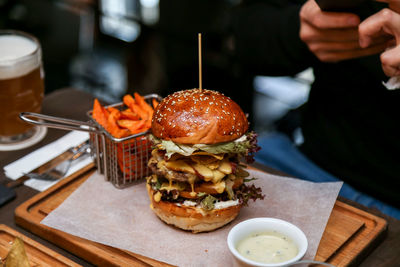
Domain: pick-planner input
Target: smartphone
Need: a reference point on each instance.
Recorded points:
(363, 8)
(340, 5)
(6, 194)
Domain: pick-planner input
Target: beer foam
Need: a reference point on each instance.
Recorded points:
(12, 48)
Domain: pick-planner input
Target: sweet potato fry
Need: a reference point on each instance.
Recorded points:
(131, 156)
(155, 103)
(148, 124)
(129, 115)
(113, 128)
(138, 110)
(114, 112)
(132, 125)
(128, 100)
(98, 113)
(142, 103)
(135, 107)
(135, 119)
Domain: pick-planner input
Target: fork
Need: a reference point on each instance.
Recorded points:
(61, 169)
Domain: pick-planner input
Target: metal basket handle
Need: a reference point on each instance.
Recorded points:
(58, 123)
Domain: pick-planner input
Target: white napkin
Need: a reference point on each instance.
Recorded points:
(38, 157)
(122, 218)
(393, 83)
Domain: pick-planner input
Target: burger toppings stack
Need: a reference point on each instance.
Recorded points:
(198, 181)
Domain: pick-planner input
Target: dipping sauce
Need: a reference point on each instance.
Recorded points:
(267, 247)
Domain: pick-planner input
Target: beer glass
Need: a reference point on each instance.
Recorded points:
(21, 87)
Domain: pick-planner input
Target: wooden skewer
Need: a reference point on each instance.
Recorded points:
(200, 74)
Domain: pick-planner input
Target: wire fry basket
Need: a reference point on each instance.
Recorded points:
(122, 161)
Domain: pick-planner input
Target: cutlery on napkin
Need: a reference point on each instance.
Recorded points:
(41, 156)
(59, 165)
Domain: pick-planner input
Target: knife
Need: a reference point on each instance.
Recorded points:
(66, 155)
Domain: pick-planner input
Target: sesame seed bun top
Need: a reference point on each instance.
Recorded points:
(198, 117)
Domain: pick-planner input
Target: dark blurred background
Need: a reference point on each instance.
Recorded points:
(114, 47)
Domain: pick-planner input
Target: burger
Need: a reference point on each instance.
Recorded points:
(198, 181)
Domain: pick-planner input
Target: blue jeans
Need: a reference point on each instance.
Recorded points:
(279, 152)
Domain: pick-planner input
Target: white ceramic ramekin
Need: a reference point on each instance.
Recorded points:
(260, 225)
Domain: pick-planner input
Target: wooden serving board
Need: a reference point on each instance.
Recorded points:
(38, 255)
(349, 235)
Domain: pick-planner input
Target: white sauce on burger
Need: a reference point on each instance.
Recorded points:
(217, 205)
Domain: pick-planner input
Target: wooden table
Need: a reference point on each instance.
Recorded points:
(70, 103)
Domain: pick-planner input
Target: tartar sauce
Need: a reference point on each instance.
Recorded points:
(267, 247)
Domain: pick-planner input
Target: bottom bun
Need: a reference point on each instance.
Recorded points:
(191, 218)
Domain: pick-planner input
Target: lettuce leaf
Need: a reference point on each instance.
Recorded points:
(238, 146)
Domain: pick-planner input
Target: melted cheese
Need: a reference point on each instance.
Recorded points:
(178, 165)
(191, 179)
(217, 156)
(157, 197)
(172, 186)
(217, 176)
(219, 187)
(155, 153)
(204, 171)
(213, 171)
(225, 167)
(213, 165)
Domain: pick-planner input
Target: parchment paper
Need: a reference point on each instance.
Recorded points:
(123, 219)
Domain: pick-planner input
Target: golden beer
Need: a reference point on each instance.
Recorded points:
(21, 83)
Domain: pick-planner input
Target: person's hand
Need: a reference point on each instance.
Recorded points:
(333, 36)
(386, 21)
